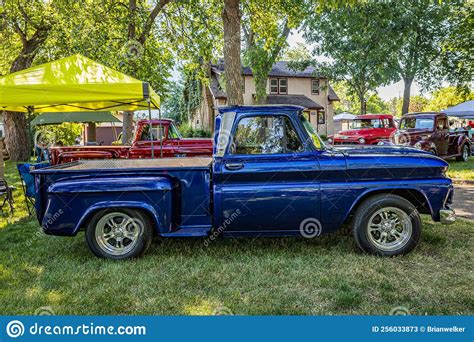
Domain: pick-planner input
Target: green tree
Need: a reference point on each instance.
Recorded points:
(64, 133)
(375, 104)
(349, 101)
(184, 97)
(457, 60)
(418, 30)
(447, 97)
(139, 38)
(266, 26)
(24, 27)
(353, 40)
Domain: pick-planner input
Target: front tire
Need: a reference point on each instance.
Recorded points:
(386, 225)
(464, 154)
(119, 233)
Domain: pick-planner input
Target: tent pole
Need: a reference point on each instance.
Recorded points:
(30, 114)
(151, 129)
(161, 138)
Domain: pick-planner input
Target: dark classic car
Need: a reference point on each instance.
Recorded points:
(144, 141)
(431, 132)
(271, 175)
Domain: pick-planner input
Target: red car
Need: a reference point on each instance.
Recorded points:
(173, 145)
(366, 129)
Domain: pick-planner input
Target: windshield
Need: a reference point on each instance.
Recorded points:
(417, 123)
(318, 143)
(366, 123)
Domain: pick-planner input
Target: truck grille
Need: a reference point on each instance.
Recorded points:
(346, 143)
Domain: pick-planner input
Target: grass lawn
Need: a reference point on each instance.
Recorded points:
(462, 170)
(264, 276)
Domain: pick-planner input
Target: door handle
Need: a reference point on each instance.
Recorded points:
(234, 166)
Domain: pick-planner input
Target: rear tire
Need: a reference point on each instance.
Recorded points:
(464, 153)
(386, 225)
(119, 233)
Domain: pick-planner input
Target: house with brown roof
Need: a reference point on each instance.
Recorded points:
(284, 86)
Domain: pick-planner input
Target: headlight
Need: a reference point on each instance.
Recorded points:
(362, 140)
(417, 145)
(330, 140)
(380, 143)
(396, 138)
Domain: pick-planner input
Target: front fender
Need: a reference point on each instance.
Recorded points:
(387, 189)
(339, 200)
(463, 139)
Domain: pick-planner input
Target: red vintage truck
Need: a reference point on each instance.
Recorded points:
(174, 145)
(366, 129)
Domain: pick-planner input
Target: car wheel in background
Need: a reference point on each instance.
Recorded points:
(119, 233)
(464, 153)
(386, 225)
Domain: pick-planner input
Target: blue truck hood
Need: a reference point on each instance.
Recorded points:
(381, 150)
(391, 162)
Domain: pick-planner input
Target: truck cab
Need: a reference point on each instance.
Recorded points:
(174, 145)
(144, 141)
(270, 175)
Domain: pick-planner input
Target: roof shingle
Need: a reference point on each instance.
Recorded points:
(299, 100)
(279, 69)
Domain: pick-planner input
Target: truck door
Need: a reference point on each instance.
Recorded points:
(267, 179)
(441, 136)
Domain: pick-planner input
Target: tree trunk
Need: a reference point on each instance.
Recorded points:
(127, 131)
(233, 65)
(406, 95)
(127, 128)
(16, 129)
(363, 104)
(260, 89)
(16, 136)
(91, 132)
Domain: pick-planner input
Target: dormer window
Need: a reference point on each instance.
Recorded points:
(278, 86)
(315, 86)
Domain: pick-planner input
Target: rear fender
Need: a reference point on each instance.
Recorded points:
(77, 199)
(153, 212)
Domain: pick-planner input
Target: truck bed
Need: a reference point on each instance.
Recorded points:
(196, 163)
(119, 180)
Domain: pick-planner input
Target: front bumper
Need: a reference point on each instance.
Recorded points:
(447, 216)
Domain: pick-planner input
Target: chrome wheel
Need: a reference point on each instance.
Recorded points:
(117, 233)
(389, 229)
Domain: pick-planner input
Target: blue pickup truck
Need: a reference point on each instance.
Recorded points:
(270, 175)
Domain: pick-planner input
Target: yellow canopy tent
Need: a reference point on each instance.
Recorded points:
(74, 84)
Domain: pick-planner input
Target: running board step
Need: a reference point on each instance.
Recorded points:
(189, 232)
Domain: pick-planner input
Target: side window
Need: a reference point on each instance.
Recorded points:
(173, 132)
(315, 86)
(266, 135)
(273, 85)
